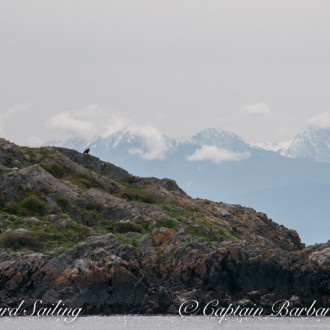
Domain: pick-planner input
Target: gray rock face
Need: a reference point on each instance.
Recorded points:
(53, 217)
(95, 164)
(223, 212)
(321, 256)
(34, 178)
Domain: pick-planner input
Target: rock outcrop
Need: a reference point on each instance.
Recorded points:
(77, 229)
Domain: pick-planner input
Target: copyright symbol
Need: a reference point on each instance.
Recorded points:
(189, 307)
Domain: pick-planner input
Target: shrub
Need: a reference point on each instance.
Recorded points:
(62, 201)
(33, 205)
(137, 194)
(12, 207)
(16, 240)
(57, 170)
(130, 179)
(84, 183)
(127, 226)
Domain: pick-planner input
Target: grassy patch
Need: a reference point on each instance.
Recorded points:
(179, 214)
(91, 218)
(61, 171)
(146, 227)
(45, 235)
(139, 195)
(3, 170)
(30, 152)
(107, 224)
(44, 152)
(127, 181)
(56, 254)
(127, 240)
(13, 223)
(227, 234)
(165, 223)
(55, 169)
(196, 232)
(212, 225)
(62, 201)
(11, 207)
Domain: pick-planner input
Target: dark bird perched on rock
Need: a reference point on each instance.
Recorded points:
(86, 151)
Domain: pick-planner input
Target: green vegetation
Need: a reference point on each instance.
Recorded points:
(146, 227)
(32, 205)
(91, 217)
(125, 227)
(11, 207)
(127, 181)
(3, 170)
(178, 213)
(107, 224)
(44, 235)
(121, 238)
(63, 202)
(84, 180)
(55, 169)
(140, 195)
(207, 225)
(62, 171)
(30, 152)
(227, 234)
(166, 223)
(197, 232)
(44, 152)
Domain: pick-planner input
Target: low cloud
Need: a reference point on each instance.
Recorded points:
(155, 144)
(11, 113)
(71, 125)
(321, 120)
(89, 122)
(95, 121)
(256, 109)
(216, 155)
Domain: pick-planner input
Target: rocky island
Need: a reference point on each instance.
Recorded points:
(80, 230)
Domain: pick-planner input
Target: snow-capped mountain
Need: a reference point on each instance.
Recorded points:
(280, 147)
(221, 139)
(311, 143)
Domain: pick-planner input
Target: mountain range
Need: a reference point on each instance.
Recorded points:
(290, 182)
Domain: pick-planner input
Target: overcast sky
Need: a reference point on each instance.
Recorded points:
(73, 67)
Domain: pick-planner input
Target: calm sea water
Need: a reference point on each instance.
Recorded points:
(164, 323)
